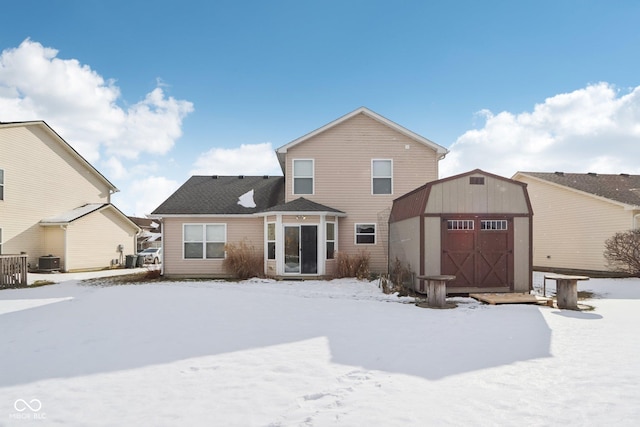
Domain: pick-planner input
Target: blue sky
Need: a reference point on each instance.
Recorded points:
(214, 87)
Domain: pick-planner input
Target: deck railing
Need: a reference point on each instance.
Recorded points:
(13, 271)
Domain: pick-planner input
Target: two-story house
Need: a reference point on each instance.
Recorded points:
(54, 202)
(336, 194)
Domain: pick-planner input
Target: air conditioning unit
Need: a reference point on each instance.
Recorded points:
(49, 263)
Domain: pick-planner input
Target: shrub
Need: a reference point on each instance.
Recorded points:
(353, 265)
(243, 261)
(622, 252)
(400, 276)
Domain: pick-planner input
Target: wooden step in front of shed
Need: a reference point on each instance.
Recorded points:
(512, 298)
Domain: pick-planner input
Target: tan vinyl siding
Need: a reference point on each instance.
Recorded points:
(432, 246)
(92, 241)
(54, 243)
(570, 228)
(522, 278)
(249, 230)
(342, 177)
(459, 196)
(42, 179)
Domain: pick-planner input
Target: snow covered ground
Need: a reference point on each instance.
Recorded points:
(266, 353)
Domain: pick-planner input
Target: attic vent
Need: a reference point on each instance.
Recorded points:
(240, 176)
(476, 180)
(214, 176)
(626, 175)
(559, 173)
(265, 177)
(592, 174)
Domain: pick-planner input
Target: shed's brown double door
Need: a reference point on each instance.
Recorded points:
(478, 251)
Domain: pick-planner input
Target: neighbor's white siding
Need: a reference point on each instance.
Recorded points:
(41, 179)
(92, 241)
(570, 228)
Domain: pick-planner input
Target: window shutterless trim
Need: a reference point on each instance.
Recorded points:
(361, 234)
(204, 240)
(312, 176)
(374, 177)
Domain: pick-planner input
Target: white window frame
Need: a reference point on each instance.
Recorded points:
(271, 241)
(204, 240)
(494, 225)
(373, 177)
(460, 224)
(375, 233)
(334, 240)
(312, 176)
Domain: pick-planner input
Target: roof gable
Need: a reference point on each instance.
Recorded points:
(54, 135)
(82, 211)
(302, 205)
(622, 188)
(220, 195)
(281, 151)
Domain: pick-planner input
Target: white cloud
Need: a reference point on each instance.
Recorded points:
(145, 194)
(82, 106)
(594, 129)
(249, 159)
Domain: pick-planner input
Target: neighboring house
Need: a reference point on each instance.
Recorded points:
(336, 194)
(475, 226)
(53, 202)
(150, 235)
(575, 213)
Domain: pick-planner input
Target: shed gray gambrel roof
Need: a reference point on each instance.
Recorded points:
(219, 195)
(621, 188)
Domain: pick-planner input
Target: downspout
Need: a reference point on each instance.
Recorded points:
(65, 246)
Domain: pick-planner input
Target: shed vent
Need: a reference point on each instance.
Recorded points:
(559, 173)
(476, 180)
(592, 174)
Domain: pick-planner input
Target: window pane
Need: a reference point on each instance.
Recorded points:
(193, 250)
(271, 250)
(193, 233)
(1, 177)
(365, 228)
(271, 231)
(331, 231)
(215, 233)
(215, 250)
(330, 250)
(365, 238)
(303, 168)
(381, 185)
(382, 168)
(303, 186)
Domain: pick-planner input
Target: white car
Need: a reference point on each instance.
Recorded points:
(152, 255)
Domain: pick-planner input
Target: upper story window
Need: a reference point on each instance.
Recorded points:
(204, 241)
(1, 184)
(303, 176)
(382, 176)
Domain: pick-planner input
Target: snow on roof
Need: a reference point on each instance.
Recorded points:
(72, 215)
(246, 200)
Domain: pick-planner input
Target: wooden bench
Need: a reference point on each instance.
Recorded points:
(436, 290)
(566, 289)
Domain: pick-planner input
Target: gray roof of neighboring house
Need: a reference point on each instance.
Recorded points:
(302, 205)
(622, 188)
(220, 195)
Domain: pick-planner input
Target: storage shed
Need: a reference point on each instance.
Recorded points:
(476, 226)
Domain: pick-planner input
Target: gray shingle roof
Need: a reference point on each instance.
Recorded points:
(202, 195)
(301, 205)
(622, 188)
